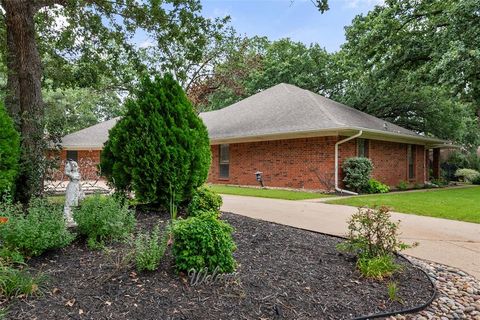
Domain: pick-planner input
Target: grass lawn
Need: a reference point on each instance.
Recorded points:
(267, 193)
(461, 204)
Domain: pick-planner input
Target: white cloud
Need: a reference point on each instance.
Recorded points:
(146, 44)
(362, 3)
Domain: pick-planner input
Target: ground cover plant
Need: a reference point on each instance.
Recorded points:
(267, 193)
(94, 285)
(461, 204)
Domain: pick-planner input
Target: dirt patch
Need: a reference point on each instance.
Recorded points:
(283, 273)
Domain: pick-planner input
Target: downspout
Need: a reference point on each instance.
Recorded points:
(336, 162)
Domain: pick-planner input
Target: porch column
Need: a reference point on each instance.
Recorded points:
(436, 163)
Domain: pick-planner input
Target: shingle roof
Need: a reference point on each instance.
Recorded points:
(89, 138)
(284, 109)
(280, 111)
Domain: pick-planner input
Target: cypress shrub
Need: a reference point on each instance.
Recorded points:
(160, 148)
(9, 151)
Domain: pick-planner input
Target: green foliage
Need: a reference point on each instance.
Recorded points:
(375, 186)
(203, 242)
(372, 234)
(206, 200)
(14, 282)
(9, 151)
(378, 267)
(402, 185)
(103, 218)
(40, 228)
(467, 175)
(357, 172)
(160, 148)
(476, 180)
(149, 249)
(393, 291)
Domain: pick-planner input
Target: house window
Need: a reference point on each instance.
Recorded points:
(224, 161)
(72, 155)
(411, 161)
(362, 148)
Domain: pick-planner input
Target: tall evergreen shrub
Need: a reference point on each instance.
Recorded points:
(9, 151)
(160, 148)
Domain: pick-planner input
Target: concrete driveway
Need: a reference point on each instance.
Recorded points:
(444, 241)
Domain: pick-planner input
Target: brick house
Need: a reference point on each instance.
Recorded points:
(297, 139)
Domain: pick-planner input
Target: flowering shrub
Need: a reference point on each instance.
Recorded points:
(467, 175)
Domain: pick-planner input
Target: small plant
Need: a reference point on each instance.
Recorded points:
(203, 242)
(393, 292)
(375, 186)
(377, 267)
(39, 229)
(467, 175)
(14, 282)
(476, 180)
(357, 172)
(402, 185)
(103, 218)
(204, 200)
(149, 249)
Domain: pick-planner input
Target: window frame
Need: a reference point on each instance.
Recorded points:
(365, 144)
(411, 162)
(69, 155)
(222, 162)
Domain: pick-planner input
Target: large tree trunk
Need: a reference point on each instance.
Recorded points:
(24, 96)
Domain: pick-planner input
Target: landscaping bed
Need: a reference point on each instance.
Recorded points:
(283, 273)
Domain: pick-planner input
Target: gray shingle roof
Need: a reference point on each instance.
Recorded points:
(89, 138)
(284, 109)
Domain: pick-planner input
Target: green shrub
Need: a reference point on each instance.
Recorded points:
(402, 185)
(476, 180)
(371, 233)
(160, 148)
(377, 267)
(467, 175)
(203, 242)
(204, 200)
(149, 249)
(14, 282)
(9, 151)
(357, 172)
(40, 229)
(103, 218)
(375, 186)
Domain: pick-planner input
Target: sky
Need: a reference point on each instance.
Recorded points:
(296, 19)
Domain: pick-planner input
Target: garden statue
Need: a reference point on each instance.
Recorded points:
(74, 192)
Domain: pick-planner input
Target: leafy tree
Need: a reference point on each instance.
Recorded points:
(160, 148)
(51, 44)
(9, 151)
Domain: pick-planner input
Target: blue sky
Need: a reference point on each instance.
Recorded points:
(296, 19)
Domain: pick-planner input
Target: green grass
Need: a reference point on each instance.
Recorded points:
(267, 193)
(461, 204)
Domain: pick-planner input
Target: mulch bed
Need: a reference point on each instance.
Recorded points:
(283, 273)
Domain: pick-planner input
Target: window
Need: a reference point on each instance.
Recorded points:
(73, 155)
(362, 148)
(224, 161)
(411, 161)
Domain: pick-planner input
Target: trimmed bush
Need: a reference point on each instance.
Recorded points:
(375, 186)
(476, 180)
(203, 242)
(160, 148)
(467, 175)
(204, 200)
(9, 151)
(103, 218)
(149, 249)
(40, 229)
(357, 172)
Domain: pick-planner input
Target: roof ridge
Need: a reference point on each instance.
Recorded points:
(327, 113)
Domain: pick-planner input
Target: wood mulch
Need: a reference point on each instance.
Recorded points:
(283, 273)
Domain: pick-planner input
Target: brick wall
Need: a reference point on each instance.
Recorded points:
(293, 163)
(88, 161)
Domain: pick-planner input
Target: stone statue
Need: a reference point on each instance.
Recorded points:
(74, 192)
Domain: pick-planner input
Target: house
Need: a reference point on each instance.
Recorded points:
(296, 139)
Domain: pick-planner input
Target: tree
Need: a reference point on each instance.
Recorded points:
(169, 162)
(9, 151)
(80, 42)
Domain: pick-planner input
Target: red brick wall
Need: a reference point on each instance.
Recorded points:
(292, 163)
(88, 161)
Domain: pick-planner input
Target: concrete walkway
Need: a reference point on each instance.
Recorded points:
(444, 241)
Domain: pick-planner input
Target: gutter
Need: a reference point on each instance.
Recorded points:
(336, 163)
